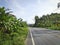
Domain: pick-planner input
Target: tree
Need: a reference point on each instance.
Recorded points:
(49, 21)
(36, 20)
(12, 30)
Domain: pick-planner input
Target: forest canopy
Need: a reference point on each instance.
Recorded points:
(51, 21)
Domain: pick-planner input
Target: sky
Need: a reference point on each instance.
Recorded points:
(28, 9)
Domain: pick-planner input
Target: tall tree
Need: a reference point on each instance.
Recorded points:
(36, 20)
(49, 21)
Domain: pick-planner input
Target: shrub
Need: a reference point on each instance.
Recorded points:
(13, 31)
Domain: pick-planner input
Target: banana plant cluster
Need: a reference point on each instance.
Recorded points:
(12, 30)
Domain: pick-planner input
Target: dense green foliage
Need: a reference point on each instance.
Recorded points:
(13, 31)
(51, 21)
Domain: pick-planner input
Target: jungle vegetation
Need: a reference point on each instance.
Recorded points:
(13, 31)
(51, 21)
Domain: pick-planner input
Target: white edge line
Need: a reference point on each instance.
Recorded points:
(32, 38)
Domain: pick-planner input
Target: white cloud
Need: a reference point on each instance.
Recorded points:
(28, 9)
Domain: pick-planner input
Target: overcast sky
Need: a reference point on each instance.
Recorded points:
(27, 9)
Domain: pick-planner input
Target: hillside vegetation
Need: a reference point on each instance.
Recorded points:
(13, 31)
(51, 21)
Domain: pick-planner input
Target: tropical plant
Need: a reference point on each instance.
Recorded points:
(12, 30)
(49, 21)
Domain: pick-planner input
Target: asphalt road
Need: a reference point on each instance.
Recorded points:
(42, 36)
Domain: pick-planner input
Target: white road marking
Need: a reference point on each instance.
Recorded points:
(32, 38)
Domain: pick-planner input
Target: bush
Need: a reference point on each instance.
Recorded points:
(13, 31)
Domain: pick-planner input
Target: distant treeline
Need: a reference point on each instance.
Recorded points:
(51, 21)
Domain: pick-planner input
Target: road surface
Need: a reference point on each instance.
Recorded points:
(42, 36)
